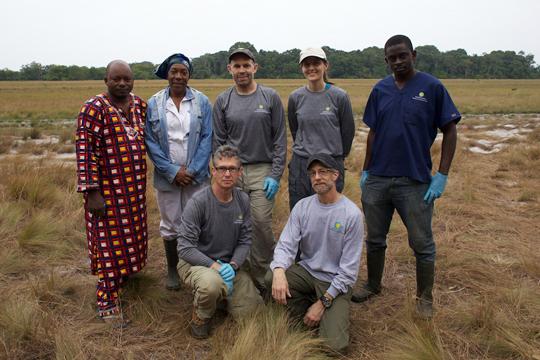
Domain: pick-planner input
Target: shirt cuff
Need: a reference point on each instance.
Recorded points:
(87, 187)
(333, 291)
(173, 170)
(274, 265)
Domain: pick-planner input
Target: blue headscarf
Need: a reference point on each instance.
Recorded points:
(163, 69)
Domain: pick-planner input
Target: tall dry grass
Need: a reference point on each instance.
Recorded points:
(487, 273)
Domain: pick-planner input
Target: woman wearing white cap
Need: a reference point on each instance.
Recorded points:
(321, 121)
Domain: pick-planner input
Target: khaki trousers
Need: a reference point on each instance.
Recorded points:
(262, 246)
(209, 289)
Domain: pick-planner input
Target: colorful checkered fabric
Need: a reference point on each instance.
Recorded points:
(111, 157)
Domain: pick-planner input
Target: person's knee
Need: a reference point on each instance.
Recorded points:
(425, 256)
(376, 244)
(210, 287)
(424, 248)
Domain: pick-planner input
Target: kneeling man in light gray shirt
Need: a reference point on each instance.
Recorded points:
(215, 237)
(327, 229)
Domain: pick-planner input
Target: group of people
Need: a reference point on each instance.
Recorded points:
(216, 221)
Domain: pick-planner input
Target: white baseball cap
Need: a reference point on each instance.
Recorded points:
(312, 51)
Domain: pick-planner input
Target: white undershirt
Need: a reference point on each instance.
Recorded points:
(178, 130)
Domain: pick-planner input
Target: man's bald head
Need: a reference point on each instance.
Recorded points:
(115, 64)
(119, 80)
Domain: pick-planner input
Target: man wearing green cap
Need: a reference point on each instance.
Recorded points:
(250, 117)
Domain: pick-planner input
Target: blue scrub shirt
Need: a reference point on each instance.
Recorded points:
(405, 123)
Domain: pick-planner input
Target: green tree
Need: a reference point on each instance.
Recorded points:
(32, 71)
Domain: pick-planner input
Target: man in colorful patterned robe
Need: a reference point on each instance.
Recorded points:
(111, 170)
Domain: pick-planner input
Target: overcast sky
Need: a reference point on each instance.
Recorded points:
(77, 32)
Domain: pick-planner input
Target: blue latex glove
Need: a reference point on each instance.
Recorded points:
(363, 179)
(436, 187)
(226, 271)
(270, 187)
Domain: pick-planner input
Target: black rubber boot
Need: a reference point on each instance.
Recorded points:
(425, 274)
(171, 253)
(375, 268)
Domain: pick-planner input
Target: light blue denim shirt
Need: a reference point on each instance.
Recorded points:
(199, 139)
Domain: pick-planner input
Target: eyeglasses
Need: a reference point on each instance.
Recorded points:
(321, 172)
(222, 170)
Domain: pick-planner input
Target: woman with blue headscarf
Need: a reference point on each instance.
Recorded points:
(179, 143)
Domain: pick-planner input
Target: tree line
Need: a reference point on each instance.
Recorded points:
(358, 64)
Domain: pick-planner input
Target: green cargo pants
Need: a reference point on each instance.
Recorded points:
(306, 290)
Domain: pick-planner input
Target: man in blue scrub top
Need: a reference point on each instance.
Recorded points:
(403, 113)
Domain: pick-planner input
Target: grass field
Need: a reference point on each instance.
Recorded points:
(487, 292)
(22, 100)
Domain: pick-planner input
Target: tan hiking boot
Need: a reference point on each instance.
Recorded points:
(200, 328)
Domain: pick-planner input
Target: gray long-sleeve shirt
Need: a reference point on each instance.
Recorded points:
(330, 238)
(255, 124)
(211, 230)
(321, 122)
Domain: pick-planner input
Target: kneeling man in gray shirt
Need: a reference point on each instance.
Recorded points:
(327, 228)
(215, 237)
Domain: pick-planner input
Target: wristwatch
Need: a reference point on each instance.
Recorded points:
(325, 301)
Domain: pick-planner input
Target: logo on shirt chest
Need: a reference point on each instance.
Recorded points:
(327, 110)
(420, 97)
(261, 109)
(337, 227)
(239, 220)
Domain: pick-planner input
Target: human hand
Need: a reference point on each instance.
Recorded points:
(270, 187)
(436, 187)
(226, 271)
(95, 203)
(314, 314)
(363, 179)
(280, 287)
(183, 177)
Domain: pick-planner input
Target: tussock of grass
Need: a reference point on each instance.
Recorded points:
(67, 135)
(145, 297)
(53, 290)
(31, 148)
(6, 143)
(10, 217)
(13, 262)
(527, 195)
(67, 346)
(27, 185)
(32, 133)
(530, 263)
(23, 325)
(268, 335)
(417, 341)
(66, 149)
(534, 136)
(43, 234)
